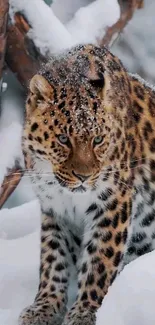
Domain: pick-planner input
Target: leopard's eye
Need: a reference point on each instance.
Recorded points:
(98, 140)
(63, 138)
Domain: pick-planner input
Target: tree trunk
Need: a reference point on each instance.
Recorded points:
(22, 56)
(4, 7)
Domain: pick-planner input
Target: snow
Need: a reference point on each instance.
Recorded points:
(50, 35)
(11, 120)
(88, 24)
(130, 300)
(12, 101)
(11, 226)
(19, 259)
(65, 10)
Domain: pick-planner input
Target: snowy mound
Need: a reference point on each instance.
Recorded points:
(130, 300)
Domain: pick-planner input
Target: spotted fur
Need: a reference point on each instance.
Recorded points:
(89, 146)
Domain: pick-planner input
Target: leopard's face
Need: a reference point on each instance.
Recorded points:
(72, 123)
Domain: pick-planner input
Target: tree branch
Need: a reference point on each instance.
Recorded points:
(22, 56)
(128, 7)
(9, 184)
(4, 7)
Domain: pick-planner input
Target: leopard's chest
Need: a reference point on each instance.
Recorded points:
(72, 207)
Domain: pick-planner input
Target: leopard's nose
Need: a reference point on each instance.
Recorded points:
(82, 178)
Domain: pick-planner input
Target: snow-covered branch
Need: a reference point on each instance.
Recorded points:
(127, 10)
(38, 33)
(47, 31)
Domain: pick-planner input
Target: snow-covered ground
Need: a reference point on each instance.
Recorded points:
(19, 260)
(130, 300)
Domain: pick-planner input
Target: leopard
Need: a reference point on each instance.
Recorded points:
(89, 148)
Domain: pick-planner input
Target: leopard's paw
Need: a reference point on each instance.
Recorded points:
(80, 318)
(40, 315)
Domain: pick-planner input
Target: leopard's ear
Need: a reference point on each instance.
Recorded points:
(40, 88)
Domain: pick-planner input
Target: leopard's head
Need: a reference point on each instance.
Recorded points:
(75, 115)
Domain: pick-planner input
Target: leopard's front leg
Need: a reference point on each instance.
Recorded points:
(49, 306)
(104, 246)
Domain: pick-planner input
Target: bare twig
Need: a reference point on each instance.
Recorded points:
(128, 7)
(9, 184)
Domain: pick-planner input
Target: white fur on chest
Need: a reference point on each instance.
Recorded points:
(71, 206)
(67, 205)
